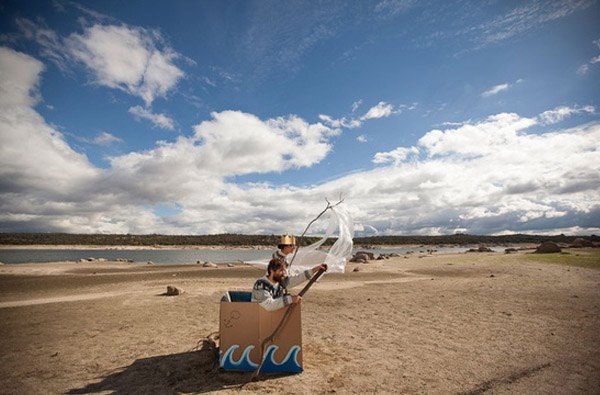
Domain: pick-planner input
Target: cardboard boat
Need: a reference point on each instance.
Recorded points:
(243, 325)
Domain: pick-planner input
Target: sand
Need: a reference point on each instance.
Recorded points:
(441, 324)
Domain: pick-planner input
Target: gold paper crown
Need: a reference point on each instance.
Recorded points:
(287, 240)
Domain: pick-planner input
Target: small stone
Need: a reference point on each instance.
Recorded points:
(150, 263)
(230, 265)
(356, 269)
(491, 275)
(209, 264)
(173, 291)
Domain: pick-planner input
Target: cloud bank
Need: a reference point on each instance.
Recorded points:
(495, 175)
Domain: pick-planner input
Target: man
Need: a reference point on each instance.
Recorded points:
(286, 246)
(270, 290)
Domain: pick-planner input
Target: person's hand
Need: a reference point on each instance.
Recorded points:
(296, 299)
(322, 266)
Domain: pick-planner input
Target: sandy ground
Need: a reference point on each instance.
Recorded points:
(445, 324)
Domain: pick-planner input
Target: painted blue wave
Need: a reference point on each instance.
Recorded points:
(289, 363)
(244, 363)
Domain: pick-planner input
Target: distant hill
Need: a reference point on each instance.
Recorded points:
(264, 240)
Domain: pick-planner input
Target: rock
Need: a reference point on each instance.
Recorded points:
(150, 263)
(230, 265)
(91, 259)
(581, 243)
(480, 249)
(393, 255)
(130, 260)
(209, 264)
(173, 291)
(82, 260)
(198, 262)
(364, 255)
(509, 250)
(356, 269)
(101, 259)
(547, 247)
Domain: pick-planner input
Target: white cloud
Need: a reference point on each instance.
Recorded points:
(129, 58)
(33, 155)
(583, 69)
(396, 156)
(381, 110)
(494, 90)
(106, 138)
(560, 113)
(362, 138)
(236, 143)
(160, 120)
(526, 17)
(393, 7)
(52, 46)
(340, 123)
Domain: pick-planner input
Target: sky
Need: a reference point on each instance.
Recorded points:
(208, 117)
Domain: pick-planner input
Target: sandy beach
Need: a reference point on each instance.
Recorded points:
(436, 324)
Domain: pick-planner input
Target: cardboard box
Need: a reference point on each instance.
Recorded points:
(243, 325)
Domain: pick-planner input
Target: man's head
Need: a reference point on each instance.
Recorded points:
(287, 244)
(276, 270)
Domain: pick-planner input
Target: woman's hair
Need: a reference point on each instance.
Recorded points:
(275, 264)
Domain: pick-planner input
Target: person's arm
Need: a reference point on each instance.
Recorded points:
(269, 303)
(292, 281)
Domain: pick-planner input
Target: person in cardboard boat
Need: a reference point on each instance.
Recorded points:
(270, 291)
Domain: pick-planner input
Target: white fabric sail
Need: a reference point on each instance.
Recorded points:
(340, 223)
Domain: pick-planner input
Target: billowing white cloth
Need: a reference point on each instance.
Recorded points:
(310, 256)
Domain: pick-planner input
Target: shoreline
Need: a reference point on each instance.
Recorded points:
(244, 247)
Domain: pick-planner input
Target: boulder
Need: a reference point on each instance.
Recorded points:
(209, 264)
(547, 247)
(581, 243)
(173, 291)
(364, 255)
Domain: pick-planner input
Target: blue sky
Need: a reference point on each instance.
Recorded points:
(243, 116)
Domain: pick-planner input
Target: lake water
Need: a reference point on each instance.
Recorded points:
(176, 256)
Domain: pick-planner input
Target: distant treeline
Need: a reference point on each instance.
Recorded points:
(264, 240)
